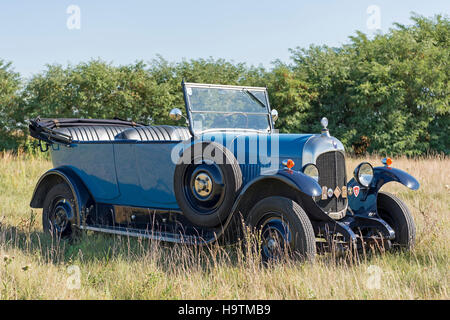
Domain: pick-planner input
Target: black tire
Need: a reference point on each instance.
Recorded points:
(59, 205)
(302, 242)
(395, 212)
(225, 181)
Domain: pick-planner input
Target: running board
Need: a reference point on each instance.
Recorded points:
(153, 235)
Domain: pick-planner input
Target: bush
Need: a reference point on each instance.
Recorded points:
(389, 94)
(9, 104)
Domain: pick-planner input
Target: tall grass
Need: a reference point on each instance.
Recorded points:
(33, 266)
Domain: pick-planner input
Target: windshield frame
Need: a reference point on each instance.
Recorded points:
(189, 111)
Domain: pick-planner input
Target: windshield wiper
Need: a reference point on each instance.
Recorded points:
(255, 98)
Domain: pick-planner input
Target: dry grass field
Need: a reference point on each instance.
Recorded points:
(112, 267)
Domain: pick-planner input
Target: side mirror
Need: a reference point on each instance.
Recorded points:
(175, 114)
(274, 114)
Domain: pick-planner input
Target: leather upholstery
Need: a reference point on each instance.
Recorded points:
(93, 133)
(155, 133)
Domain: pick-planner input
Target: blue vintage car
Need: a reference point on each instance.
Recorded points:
(227, 169)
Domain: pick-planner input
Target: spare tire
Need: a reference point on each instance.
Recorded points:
(206, 181)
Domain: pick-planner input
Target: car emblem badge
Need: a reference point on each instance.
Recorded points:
(330, 193)
(324, 193)
(356, 191)
(344, 192)
(349, 191)
(337, 192)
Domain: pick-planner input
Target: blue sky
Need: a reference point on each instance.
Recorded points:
(34, 33)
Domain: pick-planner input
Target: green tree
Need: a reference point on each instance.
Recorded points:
(10, 85)
(388, 94)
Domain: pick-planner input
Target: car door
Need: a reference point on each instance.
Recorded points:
(145, 174)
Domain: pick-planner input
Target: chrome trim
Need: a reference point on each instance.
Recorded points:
(175, 114)
(274, 114)
(318, 144)
(313, 148)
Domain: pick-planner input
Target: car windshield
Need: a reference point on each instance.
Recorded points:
(225, 107)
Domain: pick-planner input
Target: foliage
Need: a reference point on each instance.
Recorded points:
(388, 94)
(9, 103)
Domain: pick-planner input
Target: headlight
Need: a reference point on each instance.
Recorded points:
(312, 171)
(364, 174)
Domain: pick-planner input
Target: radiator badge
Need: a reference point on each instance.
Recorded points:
(324, 193)
(356, 191)
(349, 191)
(330, 193)
(344, 192)
(337, 192)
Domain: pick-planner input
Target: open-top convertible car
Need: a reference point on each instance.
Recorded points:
(228, 169)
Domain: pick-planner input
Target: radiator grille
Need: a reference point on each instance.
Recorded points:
(331, 166)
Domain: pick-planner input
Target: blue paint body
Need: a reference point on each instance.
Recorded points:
(366, 202)
(140, 174)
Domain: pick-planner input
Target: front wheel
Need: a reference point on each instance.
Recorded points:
(58, 211)
(395, 212)
(285, 229)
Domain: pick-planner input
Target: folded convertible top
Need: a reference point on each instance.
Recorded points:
(44, 129)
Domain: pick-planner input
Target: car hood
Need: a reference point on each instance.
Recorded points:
(260, 148)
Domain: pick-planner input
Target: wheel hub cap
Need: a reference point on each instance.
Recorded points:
(276, 237)
(272, 244)
(203, 185)
(61, 214)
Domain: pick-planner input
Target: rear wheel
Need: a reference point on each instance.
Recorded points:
(285, 229)
(58, 211)
(395, 212)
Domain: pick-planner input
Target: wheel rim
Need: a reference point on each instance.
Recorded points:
(204, 186)
(275, 237)
(59, 215)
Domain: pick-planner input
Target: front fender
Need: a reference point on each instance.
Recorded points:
(76, 185)
(295, 179)
(365, 204)
(383, 175)
(298, 180)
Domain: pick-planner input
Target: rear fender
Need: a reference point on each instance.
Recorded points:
(55, 176)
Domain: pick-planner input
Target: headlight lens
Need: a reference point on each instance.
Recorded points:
(312, 171)
(364, 174)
